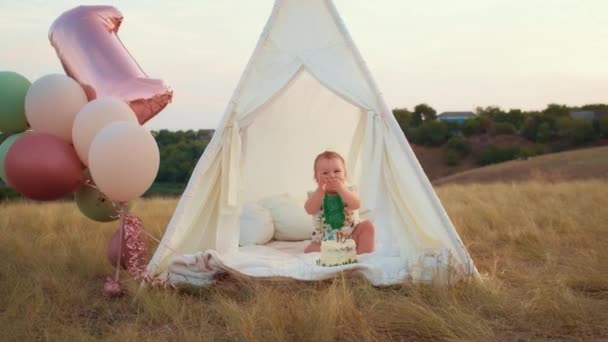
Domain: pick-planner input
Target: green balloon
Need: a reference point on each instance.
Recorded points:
(4, 147)
(13, 88)
(94, 205)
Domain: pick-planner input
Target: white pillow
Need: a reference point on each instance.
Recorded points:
(291, 222)
(256, 225)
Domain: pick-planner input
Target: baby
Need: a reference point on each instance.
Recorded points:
(330, 173)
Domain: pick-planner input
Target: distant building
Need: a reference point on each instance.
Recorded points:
(601, 115)
(588, 115)
(455, 116)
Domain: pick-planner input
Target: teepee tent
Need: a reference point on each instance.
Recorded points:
(306, 89)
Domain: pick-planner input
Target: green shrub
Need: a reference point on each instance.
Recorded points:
(582, 132)
(451, 157)
(544, 133)
(178, 160)
(530, 127)
(477, 125)
(456, 149)
(532, 151)
(504, 128)
(454, 127)
(603, 126)
(534, 122)
(7, 193)
(560, 146)
(434, 133)
(413, 135)
(403, 117)
(486, 125)
(460, 145)
(577, 132)
(471, 126)
(564, 127)
(514, 117)
(165, 189)
(556, 110)
(494, 154)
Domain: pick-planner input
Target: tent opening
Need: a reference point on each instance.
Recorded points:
(305, 119)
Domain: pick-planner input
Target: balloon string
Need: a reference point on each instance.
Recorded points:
(122, 208)
(159, 242)
(122, 213)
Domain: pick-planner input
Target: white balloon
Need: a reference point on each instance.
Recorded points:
(123, 160)
(93, 117)
(52, 102)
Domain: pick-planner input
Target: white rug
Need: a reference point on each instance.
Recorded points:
(283, 259)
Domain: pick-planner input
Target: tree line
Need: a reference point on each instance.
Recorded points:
(553, 123)
(179, 153)
(550, 130)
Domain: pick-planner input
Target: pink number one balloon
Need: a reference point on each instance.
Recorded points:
(91, 53)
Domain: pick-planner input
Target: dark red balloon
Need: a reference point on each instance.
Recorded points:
(113, 251)
(43, 167)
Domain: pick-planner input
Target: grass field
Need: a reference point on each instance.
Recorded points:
(541, 247)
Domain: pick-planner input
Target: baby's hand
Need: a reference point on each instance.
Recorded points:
(323, 184)
(340, 186)
(334, 185)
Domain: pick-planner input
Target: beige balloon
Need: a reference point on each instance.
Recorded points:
(93, 117)
(123, 160)
(51, 104)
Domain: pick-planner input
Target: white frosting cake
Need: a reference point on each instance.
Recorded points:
(334, 253)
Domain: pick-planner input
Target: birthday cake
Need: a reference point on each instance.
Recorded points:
(337, 253)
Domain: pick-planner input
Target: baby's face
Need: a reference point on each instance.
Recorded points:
(330, 169)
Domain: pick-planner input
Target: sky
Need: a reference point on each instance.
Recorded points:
(453, 55)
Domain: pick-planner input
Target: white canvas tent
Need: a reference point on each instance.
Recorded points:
(306, 89)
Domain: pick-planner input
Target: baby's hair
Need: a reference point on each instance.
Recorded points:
(328, 155)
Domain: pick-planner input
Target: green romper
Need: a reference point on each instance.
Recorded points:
(336, 219)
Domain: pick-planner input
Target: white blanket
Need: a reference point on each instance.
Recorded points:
(287, 259)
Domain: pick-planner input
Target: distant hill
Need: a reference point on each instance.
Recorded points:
(434, 165)
(432, 161)
(569, 165)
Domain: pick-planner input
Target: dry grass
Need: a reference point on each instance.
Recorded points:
(541, 247)
(579, 164)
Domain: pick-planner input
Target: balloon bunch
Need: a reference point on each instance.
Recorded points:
(81, 133)
(37, 158)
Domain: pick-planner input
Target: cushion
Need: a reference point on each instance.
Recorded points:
(291, 222)
(256, 225)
